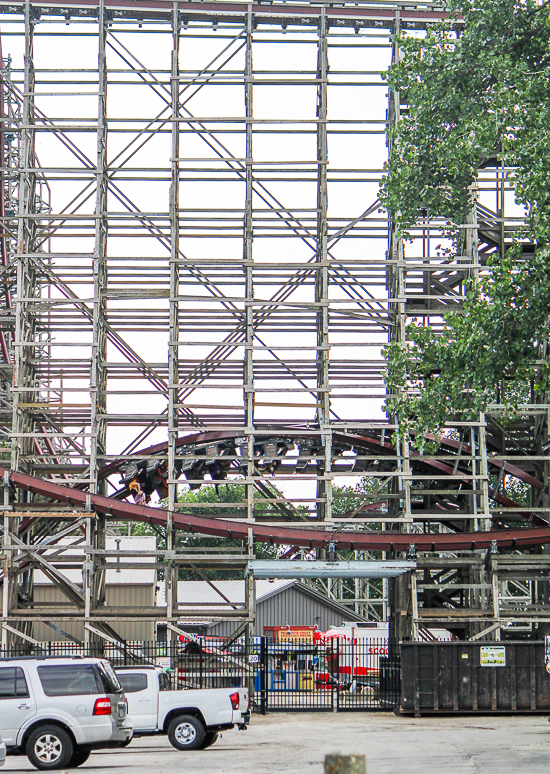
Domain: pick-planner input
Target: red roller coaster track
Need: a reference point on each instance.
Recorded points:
(382, 541)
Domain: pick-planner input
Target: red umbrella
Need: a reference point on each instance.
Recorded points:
(324, 636)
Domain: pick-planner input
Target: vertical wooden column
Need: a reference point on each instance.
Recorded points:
(397, 273)
(173, 346)
(98, 374)
(249, 397)
(324, 484)
(7, 548)
(482, 485)
(25, 385)
(24, 382)
(479, 574)
(94, 580)
(400, 590)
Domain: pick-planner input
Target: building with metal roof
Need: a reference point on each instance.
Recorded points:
(278, 603)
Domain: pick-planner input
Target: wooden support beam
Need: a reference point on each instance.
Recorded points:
(136, 653)
(480, 635)
(22, 635)
(51, 514)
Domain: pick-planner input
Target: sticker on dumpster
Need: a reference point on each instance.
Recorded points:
(492, 655)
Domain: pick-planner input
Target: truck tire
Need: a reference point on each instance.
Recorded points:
(80, 756)
(209, 738)
(186, 732)
(49, 747)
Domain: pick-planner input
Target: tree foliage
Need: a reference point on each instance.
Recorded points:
(233, 492)
(214, 501)
(477, 86)
(347, 502)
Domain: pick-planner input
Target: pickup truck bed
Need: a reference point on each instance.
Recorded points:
(191, 718)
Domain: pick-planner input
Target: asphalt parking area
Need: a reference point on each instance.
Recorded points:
(297, 743)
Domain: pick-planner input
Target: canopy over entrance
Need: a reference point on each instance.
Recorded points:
(286, 569)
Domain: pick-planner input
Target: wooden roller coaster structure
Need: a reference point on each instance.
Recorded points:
(157, 334)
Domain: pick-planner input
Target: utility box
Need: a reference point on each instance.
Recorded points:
(465, 677)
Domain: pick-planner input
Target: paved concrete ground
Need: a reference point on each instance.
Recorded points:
(297, 744)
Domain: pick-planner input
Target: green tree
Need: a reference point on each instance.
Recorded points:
(477, 87)
(226, 493)
(214, 502)
(347, 502)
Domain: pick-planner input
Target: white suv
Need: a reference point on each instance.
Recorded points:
(56, 710)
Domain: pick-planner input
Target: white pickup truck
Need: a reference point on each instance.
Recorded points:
(192, 718)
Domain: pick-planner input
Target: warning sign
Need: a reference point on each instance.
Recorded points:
(492, 655)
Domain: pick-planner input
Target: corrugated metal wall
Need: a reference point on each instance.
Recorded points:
(292, 607)
(119, 595)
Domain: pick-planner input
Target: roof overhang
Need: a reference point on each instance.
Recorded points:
(295, 569)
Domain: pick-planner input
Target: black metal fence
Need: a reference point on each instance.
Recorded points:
(291, 675)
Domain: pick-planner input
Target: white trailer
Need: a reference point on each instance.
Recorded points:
(357, 649)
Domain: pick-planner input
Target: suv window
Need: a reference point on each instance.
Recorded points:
(111, 683)
(12, 683)
(70, 680)
(133, 683)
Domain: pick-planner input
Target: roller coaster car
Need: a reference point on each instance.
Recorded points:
(145, 477)
(309, 448)
(210, 463)
(265, 451)
(217, 470)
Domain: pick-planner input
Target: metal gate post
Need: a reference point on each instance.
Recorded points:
(263, 676)
(333, 704)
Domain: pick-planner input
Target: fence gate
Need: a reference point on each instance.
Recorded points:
(334, 676)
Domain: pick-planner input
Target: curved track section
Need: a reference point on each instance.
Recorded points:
(361, 444)
(347, 540)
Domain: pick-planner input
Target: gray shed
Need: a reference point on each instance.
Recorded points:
(125, 587)
(278, 603)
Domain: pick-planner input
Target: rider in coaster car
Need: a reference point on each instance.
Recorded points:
(218, 472)
(137, 492)
(148, 479)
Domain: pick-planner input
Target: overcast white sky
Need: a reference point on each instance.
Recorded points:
(65, 49)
